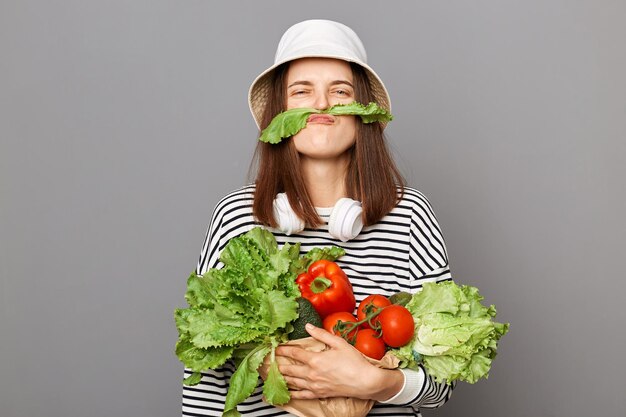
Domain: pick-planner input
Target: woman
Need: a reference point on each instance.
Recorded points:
(332, 183)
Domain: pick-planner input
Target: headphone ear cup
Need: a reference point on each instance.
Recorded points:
(345, 221)
(288, 221)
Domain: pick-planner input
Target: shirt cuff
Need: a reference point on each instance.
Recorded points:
(413, 382)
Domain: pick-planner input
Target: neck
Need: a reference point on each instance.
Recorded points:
(325, 180)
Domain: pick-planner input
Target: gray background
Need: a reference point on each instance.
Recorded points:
(123, 122)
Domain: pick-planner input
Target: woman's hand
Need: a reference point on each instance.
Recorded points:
(340, 371)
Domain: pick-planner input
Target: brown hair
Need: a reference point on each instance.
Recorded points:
(372, 175)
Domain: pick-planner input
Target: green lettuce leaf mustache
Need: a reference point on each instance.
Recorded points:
(290, 122)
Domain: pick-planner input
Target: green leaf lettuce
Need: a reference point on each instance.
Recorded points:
(455, 335)
(290, 122)
(242, 311)
(247, 305)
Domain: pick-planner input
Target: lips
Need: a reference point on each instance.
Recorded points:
(324, 119)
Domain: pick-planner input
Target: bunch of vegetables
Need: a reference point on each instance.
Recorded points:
(263, 296)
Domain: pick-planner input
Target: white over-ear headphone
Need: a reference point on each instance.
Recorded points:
(345, 221)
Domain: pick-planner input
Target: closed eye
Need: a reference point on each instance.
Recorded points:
(342, 91)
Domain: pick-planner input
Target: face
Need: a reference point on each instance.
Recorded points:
(321, 83)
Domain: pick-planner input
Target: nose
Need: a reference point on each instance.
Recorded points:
(321, 101)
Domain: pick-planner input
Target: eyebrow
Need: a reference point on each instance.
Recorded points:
(308, 83)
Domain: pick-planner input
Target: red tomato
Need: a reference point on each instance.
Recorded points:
(375, 300)
(397, 324)
(369, 344)
(332, 320)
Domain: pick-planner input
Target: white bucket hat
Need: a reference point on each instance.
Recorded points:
(320, 39)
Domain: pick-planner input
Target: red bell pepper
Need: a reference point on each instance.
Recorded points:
(327, 287)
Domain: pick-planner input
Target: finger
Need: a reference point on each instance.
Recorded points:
(325, 337)
(303, 394)
(295, 383)
(283, 360)
(297, 371)
(295, 353)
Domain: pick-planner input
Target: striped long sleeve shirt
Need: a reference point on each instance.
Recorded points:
(401, 252)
